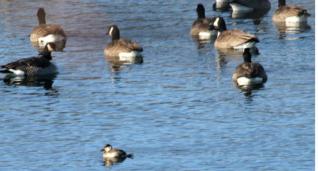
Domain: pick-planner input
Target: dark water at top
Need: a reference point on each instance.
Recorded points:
(177, 111)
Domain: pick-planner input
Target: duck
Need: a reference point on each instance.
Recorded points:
(244, 6)
(232, 39)
(125, 49)
(47, 33)
(201, 27)
(249, 73)
(113, 155)
(33, 66)
(290, 15)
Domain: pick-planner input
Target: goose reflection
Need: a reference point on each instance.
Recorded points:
(31, 81)
(117, 64)
(282, 28)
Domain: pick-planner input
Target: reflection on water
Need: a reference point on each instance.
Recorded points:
(117, 64)
(113, 161)
(236, 52)
(30, 81)
(282, 28)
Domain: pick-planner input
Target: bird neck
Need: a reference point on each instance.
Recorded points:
(247, 59)
(46, 55)
(115, 35)
(281, 3)
(201, 13)
(41, 18)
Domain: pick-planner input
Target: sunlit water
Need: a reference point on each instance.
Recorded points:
(179, 110)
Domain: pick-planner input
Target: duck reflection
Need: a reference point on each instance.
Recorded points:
(113, 161)
(33, 81)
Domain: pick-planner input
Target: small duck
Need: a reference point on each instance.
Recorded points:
(113, 155)
(249, 73)
(290, 15)
(201, 27)
(47, 33)
(126, 50)
(232, 39)
(34, 66)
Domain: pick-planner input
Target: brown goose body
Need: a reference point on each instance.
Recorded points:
(116, 47)
(113, 155)
(249, 73)
(230, 39)
(201, 27)
(47, 33)
(290, 13)
(284, 12)
(125, 49)
(43, 30)
(33, 66)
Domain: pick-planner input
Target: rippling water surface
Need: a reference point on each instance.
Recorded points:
(177, 111)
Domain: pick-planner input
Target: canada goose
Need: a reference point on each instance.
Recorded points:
(33, 66)
(126, 50)
(113, 155)
(201, 27)
(232, 39)
(290, 15)
(249, 73)
(47, 33)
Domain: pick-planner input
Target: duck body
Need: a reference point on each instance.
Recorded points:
(116, 153)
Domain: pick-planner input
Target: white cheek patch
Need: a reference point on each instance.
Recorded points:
(111, 30)
(215, 23)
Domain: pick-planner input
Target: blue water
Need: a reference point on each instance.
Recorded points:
(179, 110)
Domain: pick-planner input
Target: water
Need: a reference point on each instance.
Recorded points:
(179, 110)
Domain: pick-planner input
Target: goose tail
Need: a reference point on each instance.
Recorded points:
(130, 156)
